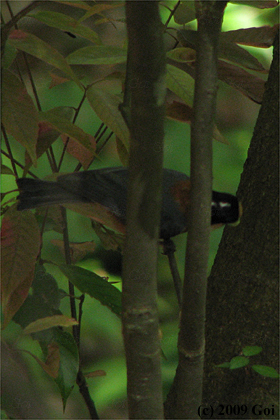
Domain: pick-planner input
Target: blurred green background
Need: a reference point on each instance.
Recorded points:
(101, 338)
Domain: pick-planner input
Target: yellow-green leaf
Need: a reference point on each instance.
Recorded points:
(98, 54)
(49, 322)
(180, 83)
(98, 8)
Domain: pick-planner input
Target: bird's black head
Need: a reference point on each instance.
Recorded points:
(225, 208)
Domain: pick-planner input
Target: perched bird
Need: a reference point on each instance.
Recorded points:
(106, 192)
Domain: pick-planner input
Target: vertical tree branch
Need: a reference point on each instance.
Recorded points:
(185, 395)
(140, 317)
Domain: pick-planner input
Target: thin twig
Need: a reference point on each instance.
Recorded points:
(78, 167)
(82, 298)
(10, 154)
(98, 130)
(74, 120)
(83, 387)
(171, 14)
(18, 163)
(80, 380)
(34, 90)
(169, 250)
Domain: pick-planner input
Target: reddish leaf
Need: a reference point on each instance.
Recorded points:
(57, 80)
(261, 37)
(19, 115)
(231, 52)
(53, 359)
(260, 4)
(95, 373)
(47, 134)
(78, 151)
(181, 112)
(228, 50)
(51, 366)
(20, 246)
(17, 298)
(251, 86)
(35, 46)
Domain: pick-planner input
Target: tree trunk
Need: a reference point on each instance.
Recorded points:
(242, 304)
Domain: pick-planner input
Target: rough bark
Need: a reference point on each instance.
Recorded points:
(243, 301)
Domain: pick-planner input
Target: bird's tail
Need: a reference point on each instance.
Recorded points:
(36, 193)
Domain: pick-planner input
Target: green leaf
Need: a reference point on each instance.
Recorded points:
(97, 9)
(5, 170)
(267, 371)
(19, 115)
(185, 13)
(21, 241)
(238, 362)
(251, 350)
(95, 286)
(44, 300)
(99, 54)
(9, 56)
(35, 46)
(78, 4)
(69, 363)
(4, 415)
(64, 126)
(224, 365)
(182, 54)
(180, 83)
(42, 324)
(66, 23)
(106, 107)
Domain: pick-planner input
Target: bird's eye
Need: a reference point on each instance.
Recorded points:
(223, 204)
